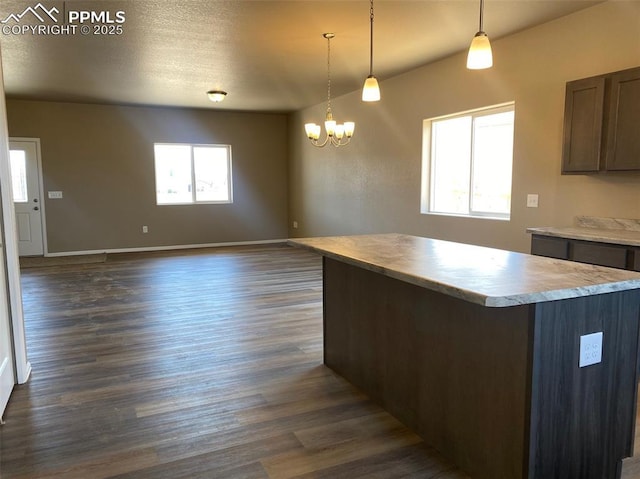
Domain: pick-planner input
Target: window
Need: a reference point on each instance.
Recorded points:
(467, 161)
(187, 174)
(18, 167)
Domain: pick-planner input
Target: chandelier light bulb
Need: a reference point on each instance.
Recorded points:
(330, 126)
(312, 130)
(349, 128)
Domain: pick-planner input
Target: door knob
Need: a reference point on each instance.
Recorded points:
(35, 208)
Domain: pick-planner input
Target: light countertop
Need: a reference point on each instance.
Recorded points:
(486, 276)
(622, 231)
(598, 235)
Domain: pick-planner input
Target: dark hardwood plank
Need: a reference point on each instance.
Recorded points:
(193, 364)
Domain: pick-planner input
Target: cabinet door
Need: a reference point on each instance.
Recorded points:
(623, 138)
(635, 265)
(610, 255)
(550, 247)
(584, 102)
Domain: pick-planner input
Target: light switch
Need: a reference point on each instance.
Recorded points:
(590, 349)
(55, 195)
(532, 201)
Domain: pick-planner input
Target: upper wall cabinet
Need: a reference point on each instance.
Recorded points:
(623, 138)
(583, 114)
(601, 123)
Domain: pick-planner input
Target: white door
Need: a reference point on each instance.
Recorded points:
(25, 180)
(6, 353)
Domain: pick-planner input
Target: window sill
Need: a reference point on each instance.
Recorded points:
(477, 217)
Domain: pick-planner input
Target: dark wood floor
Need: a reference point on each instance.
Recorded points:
(199, 364)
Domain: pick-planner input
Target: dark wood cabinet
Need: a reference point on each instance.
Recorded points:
(601, 120)
(635, 263)
(613, 256)
(550, 247)
(623, 140)
(583, 113)
(602, 254)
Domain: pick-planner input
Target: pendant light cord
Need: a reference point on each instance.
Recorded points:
(481, 15)
(371, 41)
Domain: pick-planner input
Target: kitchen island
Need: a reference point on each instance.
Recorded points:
(478, 350)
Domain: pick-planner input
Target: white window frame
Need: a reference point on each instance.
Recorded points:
(194, 201)
(428, 166)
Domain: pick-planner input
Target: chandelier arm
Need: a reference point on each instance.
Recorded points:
(340, 142)
(320, 145)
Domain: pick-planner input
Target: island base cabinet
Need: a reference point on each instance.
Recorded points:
(583, 419)
(498, 391)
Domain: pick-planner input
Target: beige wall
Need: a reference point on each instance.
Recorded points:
(101, 157)
(373, 184)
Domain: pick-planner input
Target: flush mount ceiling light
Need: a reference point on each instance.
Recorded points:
(216, 96)
(337, 134)
(480, 56)
(371, 90)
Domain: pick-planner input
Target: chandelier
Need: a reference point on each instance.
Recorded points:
(337, 134)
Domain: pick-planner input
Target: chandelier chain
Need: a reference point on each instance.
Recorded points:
(328, 74)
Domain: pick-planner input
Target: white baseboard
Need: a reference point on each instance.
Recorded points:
(165, 248)
(23, 376)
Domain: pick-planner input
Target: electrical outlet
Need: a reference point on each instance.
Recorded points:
(295, 225)
(590, 349)
(145, 229)
(532, 201)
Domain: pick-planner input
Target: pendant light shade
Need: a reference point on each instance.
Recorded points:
(480, 55)
(371, 89)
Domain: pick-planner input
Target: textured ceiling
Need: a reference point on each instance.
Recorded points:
(268, 55)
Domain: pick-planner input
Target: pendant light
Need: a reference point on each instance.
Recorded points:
(371, 90)
(337, 134)
(480, 56)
